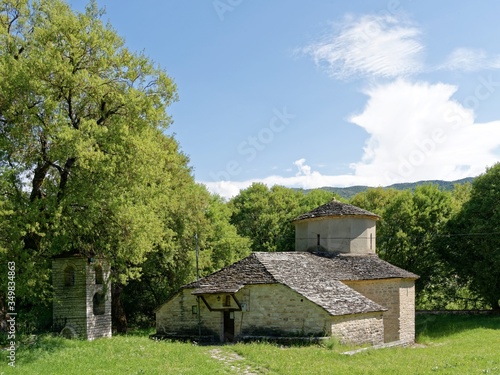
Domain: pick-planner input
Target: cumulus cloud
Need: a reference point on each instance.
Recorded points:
(416, 130)
(470, 60)
(374, 45)
(305, 178)
(419, 132)
(303, 168)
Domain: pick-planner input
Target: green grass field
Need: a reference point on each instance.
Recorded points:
(445, 345)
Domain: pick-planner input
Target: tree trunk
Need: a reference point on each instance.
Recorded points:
(38, 178)
(117, 313)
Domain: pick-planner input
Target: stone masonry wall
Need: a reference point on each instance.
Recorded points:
(396, 295)
(355, 235)
(268, 310)
(277, 308)
(69, 305)
(176, 317)
(385, 293)
(73, 304)
(98, 325)
(407, 310)
(359, 329)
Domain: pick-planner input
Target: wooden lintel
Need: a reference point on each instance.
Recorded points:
(228, 308)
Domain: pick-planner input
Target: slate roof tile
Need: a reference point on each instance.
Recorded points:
(303, 273)
(232, 278)
(336, 208)
(316, 276)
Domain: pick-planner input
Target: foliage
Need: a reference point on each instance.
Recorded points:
(351, 191)
(472, 246)
(265, 214)
(86, 165)
(406, 237)
(164, 272)
(375, 200)
(412, 221)
(221, 240)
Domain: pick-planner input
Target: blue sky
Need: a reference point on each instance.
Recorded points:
(325, 93)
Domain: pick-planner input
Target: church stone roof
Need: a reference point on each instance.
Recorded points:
(362, 267)
(336, 208)
(318, 277)
(248, 271)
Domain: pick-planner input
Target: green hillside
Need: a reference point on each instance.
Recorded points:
(349, 192)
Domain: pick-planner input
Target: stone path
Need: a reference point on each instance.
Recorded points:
(379, 346)
(234, 361)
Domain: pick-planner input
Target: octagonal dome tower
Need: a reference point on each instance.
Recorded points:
(338, 228)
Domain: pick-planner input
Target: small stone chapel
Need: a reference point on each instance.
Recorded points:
(332, 284)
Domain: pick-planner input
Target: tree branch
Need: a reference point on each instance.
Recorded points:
(108, 114)
(38, 178)
(75, 121)
(64, 177)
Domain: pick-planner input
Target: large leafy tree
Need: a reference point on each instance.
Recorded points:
(85, 165)
(375, 200)
(265, 214)
(255, 215)
(472, 244)
(412, 220)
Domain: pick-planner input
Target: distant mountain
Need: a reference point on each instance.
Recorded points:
(349, 192)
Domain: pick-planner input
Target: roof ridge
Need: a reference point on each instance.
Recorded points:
(336, 208)
(226, 274)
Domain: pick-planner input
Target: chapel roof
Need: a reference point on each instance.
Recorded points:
(230, 279)
(318, 277)
(336, 208)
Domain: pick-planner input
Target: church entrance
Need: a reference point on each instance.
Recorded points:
(228, 326)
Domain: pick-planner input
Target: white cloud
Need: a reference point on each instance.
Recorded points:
(304, 169)
(373, 45)
(306, 178)
(226, 189)
(469, 60)
(418, 132)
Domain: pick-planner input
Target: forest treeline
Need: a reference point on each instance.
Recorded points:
(351, 191)
(87, 167)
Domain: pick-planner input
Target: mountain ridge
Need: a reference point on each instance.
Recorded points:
(350, 191)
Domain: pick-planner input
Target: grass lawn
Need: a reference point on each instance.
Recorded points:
(445, 345)
(119, 355)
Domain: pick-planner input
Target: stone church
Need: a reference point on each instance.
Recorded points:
(332, 284)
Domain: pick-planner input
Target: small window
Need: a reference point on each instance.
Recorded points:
(227, 301)
(69, 276)
(99, 277)
(98, 303)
